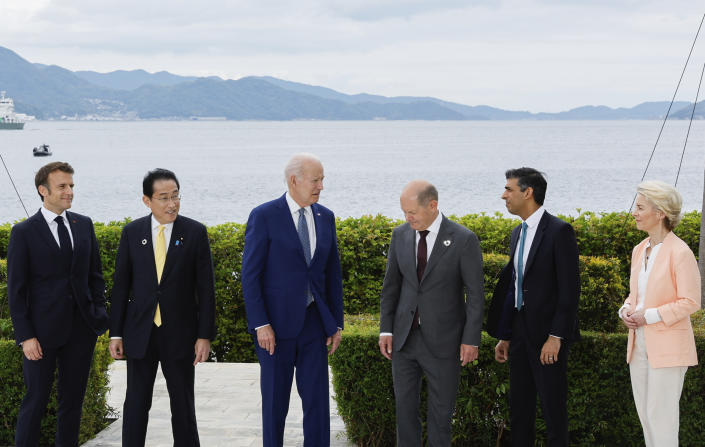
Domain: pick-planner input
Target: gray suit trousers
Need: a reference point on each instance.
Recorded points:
(442, 376)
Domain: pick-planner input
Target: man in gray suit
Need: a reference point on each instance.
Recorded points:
(431, 312)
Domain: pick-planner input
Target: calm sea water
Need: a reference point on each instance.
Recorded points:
(227, 168)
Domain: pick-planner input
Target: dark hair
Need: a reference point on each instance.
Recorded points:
(529, 178)
(427, 194)
(154, 175)
(42, 177)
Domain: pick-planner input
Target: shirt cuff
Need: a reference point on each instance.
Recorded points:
(116, 338)
(264, 325)
(555, 336)
(385, 334)
(652, 316)
(619, 312)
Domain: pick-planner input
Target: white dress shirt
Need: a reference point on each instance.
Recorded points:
(433, 230)
(49, 216)
(155, 232)
(308, 214)
(651, 315)
(532, 223)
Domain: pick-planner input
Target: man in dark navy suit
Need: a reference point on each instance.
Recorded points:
(292, 286)
(162, 309)
(534, 310)
(57, 304)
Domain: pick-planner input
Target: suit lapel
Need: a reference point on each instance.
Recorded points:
(43, 229)
(406, 257)
(290, 228)
(173, 251)
(445, 233)
(540, 230)
(148, 246)
(318, 228)
(73, 225)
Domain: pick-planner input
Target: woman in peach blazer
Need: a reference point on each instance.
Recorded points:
(664, 289)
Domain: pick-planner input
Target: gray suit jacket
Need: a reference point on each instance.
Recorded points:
(450, 296)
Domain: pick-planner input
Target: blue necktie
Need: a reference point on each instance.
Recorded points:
(306, 245)
(520, 267)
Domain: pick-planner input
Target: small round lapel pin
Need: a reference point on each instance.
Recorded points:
(446, 243)
(144, 241)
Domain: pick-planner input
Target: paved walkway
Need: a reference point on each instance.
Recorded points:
(228, 409)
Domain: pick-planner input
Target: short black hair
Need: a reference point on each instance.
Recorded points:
(529, 177)
(42, 177)
(154, 175)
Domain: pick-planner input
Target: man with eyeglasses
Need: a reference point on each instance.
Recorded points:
(162, 309)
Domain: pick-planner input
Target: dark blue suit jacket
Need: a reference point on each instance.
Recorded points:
(186, 293)
(37, 283)
(551, 286)
(275, 276)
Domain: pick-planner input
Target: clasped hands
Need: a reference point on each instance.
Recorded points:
(633, 319)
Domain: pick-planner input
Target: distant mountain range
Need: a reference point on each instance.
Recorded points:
(52, 92)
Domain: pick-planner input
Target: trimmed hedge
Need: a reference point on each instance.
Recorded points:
(600, 406)
(95, 407)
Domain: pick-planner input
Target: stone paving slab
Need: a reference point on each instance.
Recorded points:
(228, 409)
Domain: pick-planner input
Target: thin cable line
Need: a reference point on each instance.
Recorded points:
(690, 124)
(13, 185)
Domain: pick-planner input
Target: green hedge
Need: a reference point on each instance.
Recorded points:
(95, 407)
(600, 406)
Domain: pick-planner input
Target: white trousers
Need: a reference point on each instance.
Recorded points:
(657, 393)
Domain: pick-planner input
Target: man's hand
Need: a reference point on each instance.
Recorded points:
(501, 351)
(549, 352)
(32, 349)
(202, 349)
(265, 338)
(334, 341)
(116, 350)
(385, 346)
(637, 318)
(468, 354)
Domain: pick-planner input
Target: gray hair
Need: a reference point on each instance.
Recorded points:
(664, 198)
(295, 165)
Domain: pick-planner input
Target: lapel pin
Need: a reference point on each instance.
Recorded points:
(144, 241)
(446, 242)
(176, 243)
(318, 214)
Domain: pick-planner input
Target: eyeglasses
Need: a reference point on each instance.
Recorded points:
(165, 200)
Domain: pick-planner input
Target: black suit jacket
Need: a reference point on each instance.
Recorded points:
(551, 286)
(186, 293)
(40, 294)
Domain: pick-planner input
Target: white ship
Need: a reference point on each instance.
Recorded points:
(8, 118)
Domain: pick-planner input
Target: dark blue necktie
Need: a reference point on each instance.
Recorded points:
(306, 245)
(520, 267)
(64, 242)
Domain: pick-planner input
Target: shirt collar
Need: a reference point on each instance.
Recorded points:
(535, 218)
(49, 215)
(295, 207)
(435, 227)
(155, 224)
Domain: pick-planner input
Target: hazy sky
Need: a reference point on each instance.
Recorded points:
(537, 55)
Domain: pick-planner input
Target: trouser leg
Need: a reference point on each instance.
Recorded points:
(74, 365)
(312, 380)
(522, 395)
(442, 377)
(38, 379)
(406, 373)
(179, 375)
(276, 374)
(138, 400)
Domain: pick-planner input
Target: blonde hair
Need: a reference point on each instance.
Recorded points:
(664, 198)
